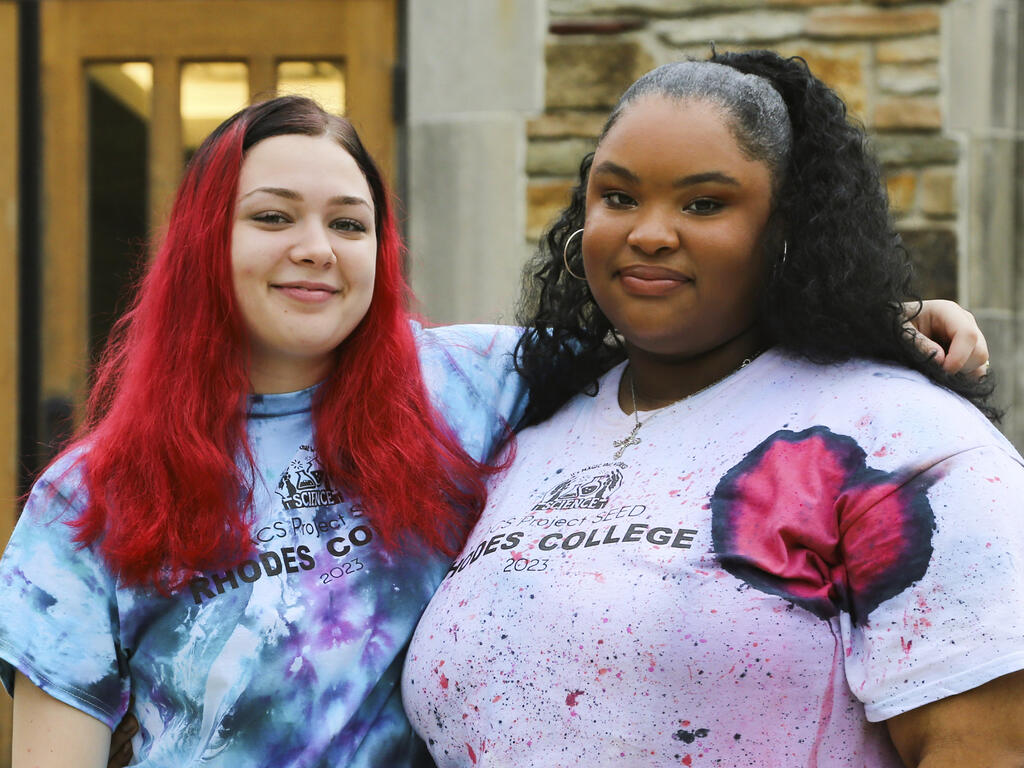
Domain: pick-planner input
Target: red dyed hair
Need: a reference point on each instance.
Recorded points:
(166, 420)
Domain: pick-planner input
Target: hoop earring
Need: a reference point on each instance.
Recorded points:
(565, 255)
(785, 252)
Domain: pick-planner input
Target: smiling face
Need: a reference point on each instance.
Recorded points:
(672, 240)
(303, 257)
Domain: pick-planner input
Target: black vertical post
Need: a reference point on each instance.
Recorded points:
(400, 117)
(29, 240)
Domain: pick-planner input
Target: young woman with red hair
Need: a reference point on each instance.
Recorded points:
(275, 469)
(257, 616)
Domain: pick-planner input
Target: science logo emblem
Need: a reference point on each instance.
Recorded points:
(305, 485)
(590, 488)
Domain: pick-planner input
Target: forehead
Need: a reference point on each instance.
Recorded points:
(297, 161)
(676, 135)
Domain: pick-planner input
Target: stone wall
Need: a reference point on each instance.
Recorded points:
(471, 87)
(984, 69)
(505, 103)
(882, 57)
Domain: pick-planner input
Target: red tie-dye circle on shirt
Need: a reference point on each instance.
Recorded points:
(803, 517)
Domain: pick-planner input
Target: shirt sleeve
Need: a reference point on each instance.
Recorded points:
(955, 532)
(58, 607)
(472, 382)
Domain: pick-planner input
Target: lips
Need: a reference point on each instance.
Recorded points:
(306, 291)
(651, 280)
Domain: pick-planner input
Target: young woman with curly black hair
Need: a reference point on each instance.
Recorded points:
(750, 522)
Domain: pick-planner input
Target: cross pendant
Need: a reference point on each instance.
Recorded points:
(627, 441)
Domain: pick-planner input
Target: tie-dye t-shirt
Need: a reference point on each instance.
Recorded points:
(291, 658)
(776, 565)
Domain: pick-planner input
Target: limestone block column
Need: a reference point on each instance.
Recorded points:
(984, 62)
(475, 74)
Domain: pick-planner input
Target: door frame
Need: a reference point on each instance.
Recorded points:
(8, 301)
(77, 32)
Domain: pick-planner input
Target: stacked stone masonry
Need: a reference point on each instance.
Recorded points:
(883, 58)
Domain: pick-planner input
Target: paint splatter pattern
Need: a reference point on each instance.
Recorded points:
(783, 561)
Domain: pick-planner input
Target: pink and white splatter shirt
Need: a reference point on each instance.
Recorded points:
(781, 563)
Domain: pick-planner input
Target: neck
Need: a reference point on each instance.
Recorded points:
(660, 380)
(271, 379)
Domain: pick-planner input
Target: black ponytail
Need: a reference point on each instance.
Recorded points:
(840, 292)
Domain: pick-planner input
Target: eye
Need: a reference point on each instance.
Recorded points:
(270, 217)
(616, 199)
(704, 206)
(348, 225)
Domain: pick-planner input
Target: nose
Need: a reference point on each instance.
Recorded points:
(313, 246)
(653, 232)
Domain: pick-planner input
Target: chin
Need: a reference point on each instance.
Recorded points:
(660, 347)
(680, 345)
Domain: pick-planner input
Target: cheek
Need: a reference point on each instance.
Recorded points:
(734, 251)
(243, 277)
(369, 264)
(245, 284)
(249, 291)
(599, 240)
(603, 237)
(360, 268)
(246, 262)
(250, 310)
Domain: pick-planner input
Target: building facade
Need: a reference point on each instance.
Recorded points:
(939, 84)
(480, 110)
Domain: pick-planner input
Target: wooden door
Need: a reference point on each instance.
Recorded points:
(82, 39)
(8, 302)
(135, 62)
(8, 266)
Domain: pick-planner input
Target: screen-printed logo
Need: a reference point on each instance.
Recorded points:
(590, 488)
(305, 485)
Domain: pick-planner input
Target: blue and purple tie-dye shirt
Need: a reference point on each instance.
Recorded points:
(291, 658)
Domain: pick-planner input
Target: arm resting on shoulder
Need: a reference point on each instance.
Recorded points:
(50, 734)
(981, 728)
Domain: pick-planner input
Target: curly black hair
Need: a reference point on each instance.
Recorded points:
(838, 292)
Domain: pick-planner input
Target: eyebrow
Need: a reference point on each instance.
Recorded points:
(687, 181)
(291, 194)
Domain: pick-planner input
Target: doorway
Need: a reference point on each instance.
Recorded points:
(120, 93)
(129, 89)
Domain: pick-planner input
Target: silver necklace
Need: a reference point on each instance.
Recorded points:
(631, 439)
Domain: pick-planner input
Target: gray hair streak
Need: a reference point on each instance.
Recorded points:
(759, 120)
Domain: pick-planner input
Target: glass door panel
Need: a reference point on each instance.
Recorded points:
(211, 91)
(129, 90)
(119, 104)
(323, 81)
